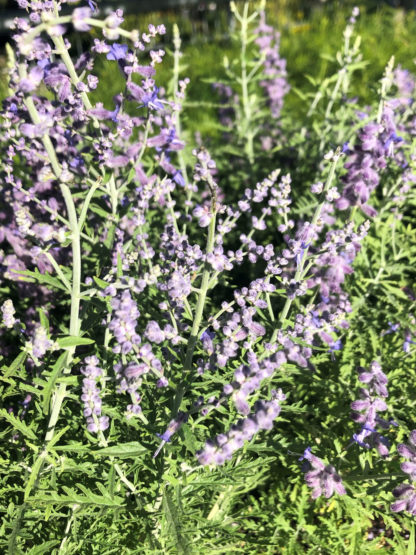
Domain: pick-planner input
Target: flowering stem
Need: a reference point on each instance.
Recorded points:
(66, 58)
(176, 71)
(301, 265)
(202, 297)
(74, 324)
(199, 308)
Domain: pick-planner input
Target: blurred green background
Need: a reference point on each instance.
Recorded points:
(310, 31)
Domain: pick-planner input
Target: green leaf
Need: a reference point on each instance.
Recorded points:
(174, 527)
(72, 497)
(44, 322)
(42, 549)
(57, 437)
(97, 210)
(45, 279)
(72, 447)
(411, 544)
(50, 384)
(33, 476)
(18, 424)
(123, 451)
(18, 362)
(73, 341)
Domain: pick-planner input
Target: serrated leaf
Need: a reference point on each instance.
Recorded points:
(18, 361)
(50, 384)
(43, 548)
(18, 424)
(33, 476)
(44, 279)
(123, 451)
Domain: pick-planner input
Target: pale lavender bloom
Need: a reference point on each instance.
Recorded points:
(406, 495)
(368, 406)
(408, 451)
(323, 479)
(32, 81)
(114, 20)
(265, 412)
(179, 286)
(8, 313)
(79, 16)
(203, 214)
(154, 333)
(275, 83)
(91, 396)
(376, 380)
(40, 343)
(124, 322)
(173, 427)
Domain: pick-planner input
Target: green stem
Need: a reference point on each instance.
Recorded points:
(198, 311)
(201, 298)
(74, 324)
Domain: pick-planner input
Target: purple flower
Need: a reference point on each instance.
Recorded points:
(153, 332)
(406, 495)
(323, 479)
(40, 343)
(124, 322)
(79, 16)
(179, 286)
(275, 84)
(147, 97)
(172, 428)
(408, 451)
(91, 396)
(366, 409)
(265, 412)
(376, 379)
(93, 5)
(117, 52)
(8, 313)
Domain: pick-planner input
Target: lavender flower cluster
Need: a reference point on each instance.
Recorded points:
(406, 493)
(367, 408)
(322, 478)
(83, 175)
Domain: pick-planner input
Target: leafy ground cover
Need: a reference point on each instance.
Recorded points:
(208, 327)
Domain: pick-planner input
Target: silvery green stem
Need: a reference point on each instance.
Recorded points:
(74, 324)
(201, 297)
(203, 290)
(385, 85)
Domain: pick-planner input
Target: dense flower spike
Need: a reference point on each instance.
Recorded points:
(8, 313)
(323, 479)
(222, 449)
(409, 452)
(366, 409)
(406, 493)
(275, 83)
(91, 396)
